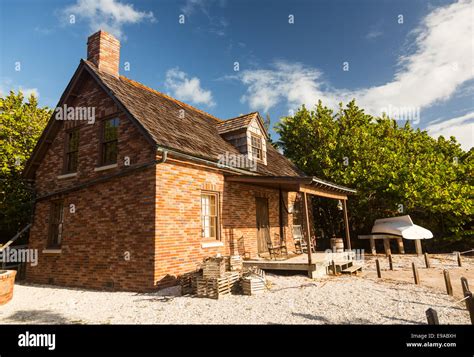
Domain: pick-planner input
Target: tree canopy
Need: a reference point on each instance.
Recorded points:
(21, 124)
(395, 168)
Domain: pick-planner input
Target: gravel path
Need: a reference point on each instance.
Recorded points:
(290, 300)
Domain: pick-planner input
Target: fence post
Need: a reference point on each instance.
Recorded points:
(432, 317)
(427, 260)
(447, 281)
(333, 264)
(390, 261)
(459, 259)
(465, 288)
(415, 274)
(464, 285)
(470, 305)
(377, 264)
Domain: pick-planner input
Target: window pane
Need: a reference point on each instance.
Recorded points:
(110, 153)
(72, 161)
(111, 130)
(205, 205)
(212, 205)
(56, 223)
(73, 140)
(256, 146)
(212, 228)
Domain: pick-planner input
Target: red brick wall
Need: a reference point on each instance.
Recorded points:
(131, 143)
(111, 218)
(178, 247)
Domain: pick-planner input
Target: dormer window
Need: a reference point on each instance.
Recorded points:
(248, 135)
(256, 143)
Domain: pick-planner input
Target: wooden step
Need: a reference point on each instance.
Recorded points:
(341, 265)
(352, 269)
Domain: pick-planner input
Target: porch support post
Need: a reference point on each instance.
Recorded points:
(280, 215)
(346, 225)
(308, 229)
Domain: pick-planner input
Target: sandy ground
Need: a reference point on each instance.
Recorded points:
(291, 299)
(431, 277)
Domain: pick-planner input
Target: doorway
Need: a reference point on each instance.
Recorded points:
(263, 225)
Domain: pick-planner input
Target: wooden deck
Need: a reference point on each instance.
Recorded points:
(296, 263)
(318, 267)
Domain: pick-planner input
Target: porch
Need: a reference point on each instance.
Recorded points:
(320, 264)
(314, 262)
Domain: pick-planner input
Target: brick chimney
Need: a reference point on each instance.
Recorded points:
(103, 50)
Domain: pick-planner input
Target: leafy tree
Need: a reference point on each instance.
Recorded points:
(396, 170)
(21, 124)
(267, 122)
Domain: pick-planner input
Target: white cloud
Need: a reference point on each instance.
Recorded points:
(373, 34)
(109, 15)
(191, 5)
(187, 89)
(441, 63)
(461, 127)
(292, 82)
(217, 25)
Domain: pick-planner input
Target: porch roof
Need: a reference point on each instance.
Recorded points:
(309, 184)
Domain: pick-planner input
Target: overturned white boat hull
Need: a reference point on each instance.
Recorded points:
(401, 226)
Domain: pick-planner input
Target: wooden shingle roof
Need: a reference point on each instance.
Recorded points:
(195, 133)
(237, 123)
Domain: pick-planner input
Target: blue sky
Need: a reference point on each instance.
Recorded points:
(413, 59)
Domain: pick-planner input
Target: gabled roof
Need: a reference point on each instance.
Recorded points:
(196, 134)
(241, 122)
(159, 117)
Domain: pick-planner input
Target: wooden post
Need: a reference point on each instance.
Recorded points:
(280, 216)
(447, 281)
(333, 264)
(386, 246)
(415, 274)
(432, 317)
(401, 247)
(390, 261)
(459, 259)
(346, 225)
(419, 250)
(377, 264)
(465, 288)
(470, 305)
(464, 285)
(308, 229)
(427, 260)
(372, 246)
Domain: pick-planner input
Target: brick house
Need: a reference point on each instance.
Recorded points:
(153, 185)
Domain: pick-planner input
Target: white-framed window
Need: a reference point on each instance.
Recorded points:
(256, 143)
(210, 215)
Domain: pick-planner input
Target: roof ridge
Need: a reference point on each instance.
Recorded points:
(240, 116)
(141, 85)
